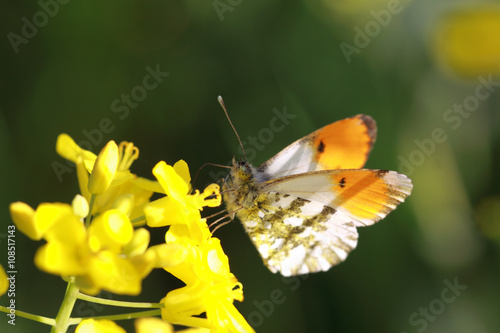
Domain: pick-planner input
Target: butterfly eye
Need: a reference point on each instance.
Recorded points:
(243, 165)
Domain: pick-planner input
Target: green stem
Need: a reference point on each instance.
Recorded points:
(124, 316)
(22, 314)
(139, 221)
(91, 208)
(118, 303)
(63, 317)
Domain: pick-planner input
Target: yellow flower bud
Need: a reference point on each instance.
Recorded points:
(104, 169)
(80, 206)
(4, 283)
(98, 326)
(148, 325)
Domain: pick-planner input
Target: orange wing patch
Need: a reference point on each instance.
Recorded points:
(345, 144)
(369, 194)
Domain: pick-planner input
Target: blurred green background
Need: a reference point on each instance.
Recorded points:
(418, 67)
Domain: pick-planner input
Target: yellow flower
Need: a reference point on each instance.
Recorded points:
(4, 283)
(98, 326)
(100, 257)
(210, 288)
(194, 256)
(46, 220)
(106, 253)
(178, 207)
(112, 177)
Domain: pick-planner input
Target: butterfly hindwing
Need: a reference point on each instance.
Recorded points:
(298, 236)
(344, 144)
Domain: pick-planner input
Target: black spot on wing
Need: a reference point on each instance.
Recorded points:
(321, 147)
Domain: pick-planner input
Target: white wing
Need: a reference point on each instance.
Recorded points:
(297, 236)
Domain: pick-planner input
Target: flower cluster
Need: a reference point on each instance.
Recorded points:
(98, 243)
(201, 263)
(106, 252)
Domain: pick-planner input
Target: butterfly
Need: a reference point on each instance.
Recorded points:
(301, 208)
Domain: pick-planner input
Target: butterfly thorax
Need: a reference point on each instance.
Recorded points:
(243, 187)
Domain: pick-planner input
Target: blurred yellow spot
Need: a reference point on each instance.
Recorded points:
(467, 41)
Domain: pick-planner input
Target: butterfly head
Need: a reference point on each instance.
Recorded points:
(242, 186)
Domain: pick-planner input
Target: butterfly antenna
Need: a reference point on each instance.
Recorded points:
(221, 102)
(207, 164)
(221, 225)
(215, 214)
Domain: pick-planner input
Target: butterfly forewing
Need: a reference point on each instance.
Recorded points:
(344, 144)
(364, 196)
